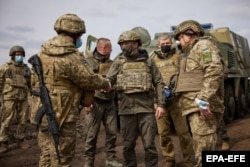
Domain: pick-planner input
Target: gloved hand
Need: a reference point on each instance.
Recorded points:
(204, 109)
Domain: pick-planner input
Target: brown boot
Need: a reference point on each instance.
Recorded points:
(23, 144)
(3, 147)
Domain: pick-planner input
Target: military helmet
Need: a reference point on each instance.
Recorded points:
(188, 25)
(70, 23)
(15, 49)
(129, 36)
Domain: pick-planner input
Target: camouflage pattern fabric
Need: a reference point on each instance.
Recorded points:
(138, 102)
(67, 144)
(203, 54)
(203, 134)
(66, 74)
(136, 111)
(14, 94)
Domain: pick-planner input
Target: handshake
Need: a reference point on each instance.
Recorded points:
(108, 86)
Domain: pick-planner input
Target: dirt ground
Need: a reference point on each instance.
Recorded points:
(16, 157)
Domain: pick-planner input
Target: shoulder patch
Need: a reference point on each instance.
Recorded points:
(206, 53)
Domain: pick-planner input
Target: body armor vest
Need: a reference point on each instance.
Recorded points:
(189, 81)
(134, 77)
(17, 76)
(51, 78)
(167, 67)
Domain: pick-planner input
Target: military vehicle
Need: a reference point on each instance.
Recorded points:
(235, 51)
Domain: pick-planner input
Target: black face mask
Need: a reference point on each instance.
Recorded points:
(166, 48)
(127, 50)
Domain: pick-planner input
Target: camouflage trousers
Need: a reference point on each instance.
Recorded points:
(67, 145)
(13, 111)
(81, 125)
(204, 134)
(173, 115)
(143, 125)
(105, 113)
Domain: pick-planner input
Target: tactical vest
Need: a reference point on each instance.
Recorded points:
(17, 76)
(134, 77)
(167, 67)
(189, 81)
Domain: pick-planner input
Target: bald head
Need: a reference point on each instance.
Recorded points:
(104, 46)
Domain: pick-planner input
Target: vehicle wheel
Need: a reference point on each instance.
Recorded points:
(229, 102)
(241, 104)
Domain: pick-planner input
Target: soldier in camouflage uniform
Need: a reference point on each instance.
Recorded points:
(166, 60)
(136, 78)
(102, 110)
(66, 74)
(200, 83)
(14, 88)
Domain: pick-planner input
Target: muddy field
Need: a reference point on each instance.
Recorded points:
(238, 131)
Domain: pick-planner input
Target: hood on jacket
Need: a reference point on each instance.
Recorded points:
(58, 45)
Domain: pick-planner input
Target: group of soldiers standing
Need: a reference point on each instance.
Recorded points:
(150, 92)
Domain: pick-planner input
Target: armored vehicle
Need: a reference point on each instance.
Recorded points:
(235, 52)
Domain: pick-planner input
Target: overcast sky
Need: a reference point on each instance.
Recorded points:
(29, 23)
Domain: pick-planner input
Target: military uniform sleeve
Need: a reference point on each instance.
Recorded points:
(158, 84)
(80, 73)
(211, 62)
(113, 71)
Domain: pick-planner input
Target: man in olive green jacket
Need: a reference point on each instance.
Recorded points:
(136, 79)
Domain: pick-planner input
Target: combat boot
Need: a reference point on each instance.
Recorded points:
(225, 146)
(3, 147)
(112, 163)
(23, 144)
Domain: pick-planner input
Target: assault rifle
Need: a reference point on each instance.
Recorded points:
(46, 104)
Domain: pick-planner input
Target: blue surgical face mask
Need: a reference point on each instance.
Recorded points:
(78, 42)
(19, 59)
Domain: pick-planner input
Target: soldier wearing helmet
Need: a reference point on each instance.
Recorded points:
(166, 59)
(136, 79)
(66, 75)
(14, 88)
(200, 83)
